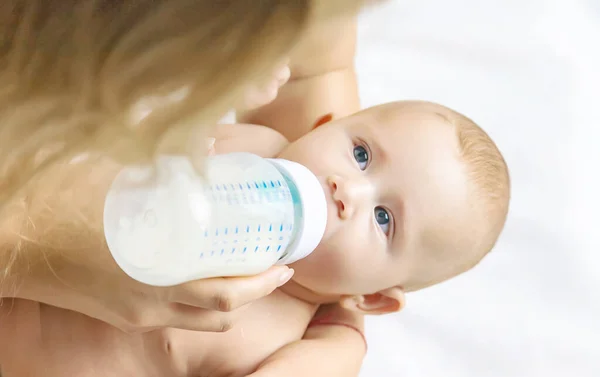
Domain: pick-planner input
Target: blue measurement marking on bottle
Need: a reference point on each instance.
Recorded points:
(268, 247)
(258, 228)
(270, 227)
(233, 250)
(244, 251)
(256, 249)
(279, 248)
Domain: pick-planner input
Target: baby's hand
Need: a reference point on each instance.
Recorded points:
(262, 94)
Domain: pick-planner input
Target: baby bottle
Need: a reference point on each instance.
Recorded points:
(244, 214)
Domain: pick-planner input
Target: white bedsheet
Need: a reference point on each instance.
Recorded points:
(528, 72)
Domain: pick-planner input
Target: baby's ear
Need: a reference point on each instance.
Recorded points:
(387, 301)
(322, 120)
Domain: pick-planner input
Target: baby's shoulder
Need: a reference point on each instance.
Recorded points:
(251, 138)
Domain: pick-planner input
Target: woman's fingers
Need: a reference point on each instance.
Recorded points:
(228, 294)
(187, 317)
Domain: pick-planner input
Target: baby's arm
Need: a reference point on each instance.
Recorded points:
(323, 81)
(332, 350)
(334, 346)
(250, 138)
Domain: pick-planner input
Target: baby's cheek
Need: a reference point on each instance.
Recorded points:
(345, 256)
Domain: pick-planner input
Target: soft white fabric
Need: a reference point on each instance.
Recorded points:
(528, 72)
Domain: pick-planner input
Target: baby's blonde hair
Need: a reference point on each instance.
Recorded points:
(489, 195)
(71, 72)
(490, 180)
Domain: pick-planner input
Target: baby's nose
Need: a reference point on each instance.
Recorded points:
(358, 189)
(348, 194)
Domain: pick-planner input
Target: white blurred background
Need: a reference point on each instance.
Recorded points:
(528, 71)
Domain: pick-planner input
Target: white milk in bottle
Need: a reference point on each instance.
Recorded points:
(241, 216)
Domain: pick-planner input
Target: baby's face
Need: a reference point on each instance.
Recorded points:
(393, 180)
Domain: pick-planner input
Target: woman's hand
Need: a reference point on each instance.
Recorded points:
(100, 290)
(63, 261)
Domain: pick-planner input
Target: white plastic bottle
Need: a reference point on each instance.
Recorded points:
(245, 214)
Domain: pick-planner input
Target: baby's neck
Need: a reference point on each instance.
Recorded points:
(302, 293)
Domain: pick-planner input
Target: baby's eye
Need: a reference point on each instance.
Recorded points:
(383, 219)
(361, 156)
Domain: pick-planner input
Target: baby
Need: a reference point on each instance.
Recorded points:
(417, 194)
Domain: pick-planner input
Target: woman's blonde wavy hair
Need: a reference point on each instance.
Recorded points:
(71, 71)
